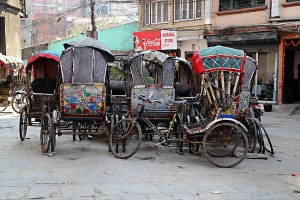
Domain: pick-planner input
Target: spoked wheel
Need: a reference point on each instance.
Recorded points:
(17, 102)
(125, 138)
(179, 131)
(53, 139)
(252, 135)
(267, 142)
(264, 139)
(46, 133)
(225, 144)
(23, 124)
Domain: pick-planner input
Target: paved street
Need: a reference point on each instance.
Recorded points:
(84, 169)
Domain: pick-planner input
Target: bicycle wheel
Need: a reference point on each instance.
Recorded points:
(225, 144)
(252, 135)
(16, 102)
(23, 124)
(179, 130)
(267, 142)
(125, 138)
(259, 136)
(53, 139)
(46, 133)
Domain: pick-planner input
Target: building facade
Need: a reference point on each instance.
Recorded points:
(10, 36)
(267, 30)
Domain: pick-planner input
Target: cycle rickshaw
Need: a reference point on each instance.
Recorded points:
(11, 80)
(40, 83)
(83, 90)
(168, 78)
(222, 137)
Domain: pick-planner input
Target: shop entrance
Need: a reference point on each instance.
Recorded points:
(291, 82)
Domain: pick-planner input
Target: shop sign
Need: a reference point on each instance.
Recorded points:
(155, 40)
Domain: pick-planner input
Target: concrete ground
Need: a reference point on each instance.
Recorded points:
(85, 170)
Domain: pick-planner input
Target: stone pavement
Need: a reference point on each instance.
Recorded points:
(84, 169)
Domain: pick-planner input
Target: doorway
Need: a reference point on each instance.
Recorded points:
(291, 82)
(2, 36)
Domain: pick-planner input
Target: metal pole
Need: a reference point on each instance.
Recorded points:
(94, 28)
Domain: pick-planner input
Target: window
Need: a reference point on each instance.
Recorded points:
(239, 4)
(156, 12)
(187, 10)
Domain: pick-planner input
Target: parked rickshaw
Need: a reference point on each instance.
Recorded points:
(168, 78)
(83, 90)
(11, 80)
(40, 83)
(222, 137)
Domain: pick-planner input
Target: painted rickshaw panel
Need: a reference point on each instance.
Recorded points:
(83, 100)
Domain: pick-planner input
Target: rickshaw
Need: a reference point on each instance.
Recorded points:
(11, 80)
(40, 83)
(168, 78)
(222, 137)
(83, 90)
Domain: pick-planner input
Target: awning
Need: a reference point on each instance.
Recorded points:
(242, 38)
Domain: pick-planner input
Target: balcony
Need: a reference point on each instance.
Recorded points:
(14, 9)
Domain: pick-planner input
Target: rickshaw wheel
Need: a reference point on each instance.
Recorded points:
(179, 136)
(46, 133)
(53, 139)
(123, 143)
(17, 102)
(225, 144)
(23, 124)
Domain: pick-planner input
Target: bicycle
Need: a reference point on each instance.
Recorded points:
(224, 141)
(126, 136)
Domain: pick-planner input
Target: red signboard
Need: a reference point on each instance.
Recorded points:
(155, 40)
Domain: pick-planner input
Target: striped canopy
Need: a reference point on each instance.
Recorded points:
(218, 58)
(48, 54)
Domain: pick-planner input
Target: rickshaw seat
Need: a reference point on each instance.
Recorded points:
(43, 85)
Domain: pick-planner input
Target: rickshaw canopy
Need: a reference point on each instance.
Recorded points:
(85, 61)
(165, 73)
(47, 54)
(11, 62)
(218, 58)
(92, 43)
(44, 64)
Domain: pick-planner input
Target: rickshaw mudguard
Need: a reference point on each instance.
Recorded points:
(82, 100)
(163, 94)
(200, 129)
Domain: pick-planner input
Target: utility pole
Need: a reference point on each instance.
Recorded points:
(93, 33)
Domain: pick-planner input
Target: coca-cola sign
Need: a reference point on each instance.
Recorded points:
(155, 40)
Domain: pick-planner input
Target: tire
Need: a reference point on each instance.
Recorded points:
(16, 102)
(46, 133)
(264, 140)
(23, 124)
(225, 144)
(125, 147)
(259, 136)
(267, 141)
(179, 135)
(252, 135)
(53, 140)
